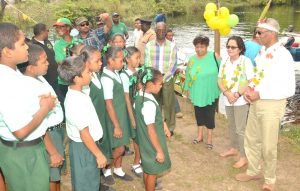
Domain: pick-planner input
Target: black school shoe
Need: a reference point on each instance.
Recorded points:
(126, 177)
(108, 180)
(106, 188)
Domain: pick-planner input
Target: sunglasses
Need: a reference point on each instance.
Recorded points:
(84, 24)
(232, 47)
(260, 32)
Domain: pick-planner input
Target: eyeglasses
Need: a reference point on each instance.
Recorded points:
(232, 47)
(260, 32)
(84, 24)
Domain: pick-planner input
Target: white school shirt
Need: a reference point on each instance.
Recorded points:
(80, 113)
(149, 108)
(137, 34)
(229, 71)
(125, 80)
(19, 101)
(108, 83)
(86, 89)
(279, 73)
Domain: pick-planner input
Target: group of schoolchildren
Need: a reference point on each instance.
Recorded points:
(102, 111)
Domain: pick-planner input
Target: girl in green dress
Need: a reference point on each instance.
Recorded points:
(151, 129)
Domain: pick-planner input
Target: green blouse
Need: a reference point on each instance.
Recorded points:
(201, 80)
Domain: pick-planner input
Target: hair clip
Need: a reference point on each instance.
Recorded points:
(132, 80)
(148, 76)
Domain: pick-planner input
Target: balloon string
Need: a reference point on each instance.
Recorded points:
(23, 14)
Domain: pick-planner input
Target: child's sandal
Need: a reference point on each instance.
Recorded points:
(196, 141)
(209, 146)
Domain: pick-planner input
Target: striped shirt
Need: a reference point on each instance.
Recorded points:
(162, 57)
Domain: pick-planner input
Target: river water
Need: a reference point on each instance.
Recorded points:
(188, 26)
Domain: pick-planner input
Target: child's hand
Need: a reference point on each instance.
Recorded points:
(166, 130)
(118, 132)
(133, 124)
(56, 160)
(101, 161)
(160, 157)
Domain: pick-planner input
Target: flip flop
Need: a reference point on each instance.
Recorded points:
(209, 146)
(196, 141)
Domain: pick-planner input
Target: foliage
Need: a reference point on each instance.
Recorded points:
(293, 133)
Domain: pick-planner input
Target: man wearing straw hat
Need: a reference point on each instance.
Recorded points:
(273, 83)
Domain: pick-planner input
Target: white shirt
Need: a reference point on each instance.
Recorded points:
(125, 80)
(279, 74)
(81, 113)
(108, 84)
(246, 68)
(19, 101)
(86, 89)
(149, 108)
(137, 35)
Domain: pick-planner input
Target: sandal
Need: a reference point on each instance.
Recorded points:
(209, 146)
(196, 141)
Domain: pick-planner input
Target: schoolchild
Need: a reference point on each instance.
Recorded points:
(22, 142)
(83, 126)
(132, 62)
(118, 120)
(151, 129)
(35, 68)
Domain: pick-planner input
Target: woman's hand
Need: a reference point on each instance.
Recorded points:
(230, 96)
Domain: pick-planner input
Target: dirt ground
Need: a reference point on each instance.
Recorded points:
(195, 168)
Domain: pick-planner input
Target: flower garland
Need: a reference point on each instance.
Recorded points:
(234, 79)
(194, 77)
(259, 75)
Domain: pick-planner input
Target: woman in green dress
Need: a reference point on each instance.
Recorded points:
(201, 77)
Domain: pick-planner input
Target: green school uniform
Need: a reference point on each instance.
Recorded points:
(97, 97)
(148, 152)
(120, 107)
(131, 97)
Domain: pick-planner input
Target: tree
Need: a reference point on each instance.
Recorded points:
(3, 5)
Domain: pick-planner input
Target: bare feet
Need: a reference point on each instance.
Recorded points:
(242, 162)
(230, 152)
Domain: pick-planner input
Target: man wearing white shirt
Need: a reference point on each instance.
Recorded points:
(273, 83)
(137, 33)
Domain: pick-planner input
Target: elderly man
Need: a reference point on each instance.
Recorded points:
(148, 35)
(98, 37)
(162, 55)
(273, 83)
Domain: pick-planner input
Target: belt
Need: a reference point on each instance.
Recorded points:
(99, 141)
(60, 125)
(21, 144)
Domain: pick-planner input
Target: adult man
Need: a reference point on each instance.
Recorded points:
(40, 38)
(137, 33)
(98, 37)
(118, 27)
(274, 81)
(162, 55)
(148, 35)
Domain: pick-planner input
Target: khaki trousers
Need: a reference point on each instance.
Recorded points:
(261, 137)
(237, 119)
(166, 101)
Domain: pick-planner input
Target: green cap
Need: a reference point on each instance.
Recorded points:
(62, 22)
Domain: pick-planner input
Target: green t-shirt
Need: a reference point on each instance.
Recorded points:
(120, 28)
(201, 79)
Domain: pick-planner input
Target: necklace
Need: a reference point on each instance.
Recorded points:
(234, 79)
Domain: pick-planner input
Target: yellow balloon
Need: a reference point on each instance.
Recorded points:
(222, 23)
(211, 6)
(209, 14)
(225, 31)
(224, 12)
(213, 23)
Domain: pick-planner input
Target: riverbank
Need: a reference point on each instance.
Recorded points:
(195, 168)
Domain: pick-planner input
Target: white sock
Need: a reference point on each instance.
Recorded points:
(137, 168)
(106, 172)
(119, 171)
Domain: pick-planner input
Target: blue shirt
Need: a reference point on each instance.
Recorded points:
(252, 49)
(96, 38)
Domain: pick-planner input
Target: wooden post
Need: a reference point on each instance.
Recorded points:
(217, 43)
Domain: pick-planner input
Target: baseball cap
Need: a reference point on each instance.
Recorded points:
(269, 24)
(80, 20)
(146, 21)
(62, 22)
(115, 14)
